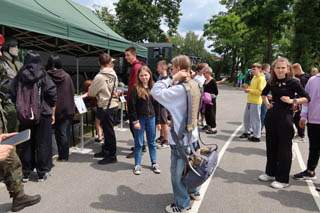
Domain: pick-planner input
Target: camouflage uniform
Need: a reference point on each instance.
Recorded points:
(8, 71)
(11, 168)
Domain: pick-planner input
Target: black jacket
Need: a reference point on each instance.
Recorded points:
(65, 94)
(140, 108)
(33, 73)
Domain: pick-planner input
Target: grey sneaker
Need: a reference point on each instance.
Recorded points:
(156, 168)
(195, 196)
(137, 170)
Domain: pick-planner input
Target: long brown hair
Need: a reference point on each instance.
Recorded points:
(273, 77)
(141, 91)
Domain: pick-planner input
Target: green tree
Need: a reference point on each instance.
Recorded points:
(140, 20)
(306, 43)
(227, 33)
(107, 17)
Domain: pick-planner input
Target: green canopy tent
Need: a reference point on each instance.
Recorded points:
(60, 26)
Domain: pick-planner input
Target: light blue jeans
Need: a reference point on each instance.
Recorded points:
(148, 125)
(180, 191)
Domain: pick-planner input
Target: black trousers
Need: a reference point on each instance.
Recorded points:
(62, 130)
(37, 152)
(314, 148)
(296, 119)
(279, 134)
(107, 123)
(210, 114)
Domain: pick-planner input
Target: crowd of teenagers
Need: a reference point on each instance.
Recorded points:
(42, 99)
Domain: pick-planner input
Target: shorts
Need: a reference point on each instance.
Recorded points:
(163, 115)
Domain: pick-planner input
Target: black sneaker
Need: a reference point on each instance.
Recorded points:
(25, 178)
(244, 135)
(108, 160)
(211, 132)
(173, 208)
(305, 175)
(254, 139)
(130, 155)
(144, 148)
(205, 128)
(42, 177)
(101, 154)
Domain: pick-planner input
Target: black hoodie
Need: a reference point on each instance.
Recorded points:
(65, 93)
(30, 74)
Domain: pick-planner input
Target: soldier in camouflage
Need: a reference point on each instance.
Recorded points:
(11, 168)
(9, 67)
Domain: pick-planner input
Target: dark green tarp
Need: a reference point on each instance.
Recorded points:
(60, 26)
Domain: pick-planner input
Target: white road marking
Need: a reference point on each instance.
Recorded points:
(303, 167)
(196, 204)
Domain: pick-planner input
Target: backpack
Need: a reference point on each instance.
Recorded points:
(29, 103)
(202, 163)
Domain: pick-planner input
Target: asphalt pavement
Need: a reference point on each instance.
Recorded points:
(81, 185)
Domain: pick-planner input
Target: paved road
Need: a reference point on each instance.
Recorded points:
(81, 185)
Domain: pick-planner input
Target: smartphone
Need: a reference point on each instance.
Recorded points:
(19, 138)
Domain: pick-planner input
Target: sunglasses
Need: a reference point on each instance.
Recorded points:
(255, 66)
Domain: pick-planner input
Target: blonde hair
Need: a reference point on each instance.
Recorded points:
(273, 77)
(141, 91)
(182, 61)
(297, 66)
(207, 68)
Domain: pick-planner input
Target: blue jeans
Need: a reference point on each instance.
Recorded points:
(148, 125)
(180, 191)
(264, 111)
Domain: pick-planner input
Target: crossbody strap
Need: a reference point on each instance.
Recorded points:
(114, 84)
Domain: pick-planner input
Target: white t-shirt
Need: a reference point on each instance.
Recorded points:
(200, 79)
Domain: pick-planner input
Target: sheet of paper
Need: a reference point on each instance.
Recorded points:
(78, 101)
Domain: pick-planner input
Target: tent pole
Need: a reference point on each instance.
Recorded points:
(81, 115)
(108, 51)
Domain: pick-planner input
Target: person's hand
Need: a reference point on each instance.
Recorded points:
(53, 119)
(5, 151)
(269, 106)
(137, 126)
(180, 76)
(7, 135)
(246, 86)
(247, 90)
(158, 127)
(302, 123)
(286, 99)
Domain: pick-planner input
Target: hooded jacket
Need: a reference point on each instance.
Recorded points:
(65, 94)
(101, 88)
(311, 110)
(33, 73)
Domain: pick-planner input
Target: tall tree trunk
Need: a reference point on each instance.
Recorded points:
(234, 61)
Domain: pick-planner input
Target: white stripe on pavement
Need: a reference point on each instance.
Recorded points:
(303, 167)
(196, 204)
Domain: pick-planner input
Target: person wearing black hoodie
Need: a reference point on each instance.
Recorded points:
(65, 105)
(36, 153)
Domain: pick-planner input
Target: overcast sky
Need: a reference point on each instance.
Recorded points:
(195, 12)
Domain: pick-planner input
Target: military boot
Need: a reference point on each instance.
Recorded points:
(27, 200)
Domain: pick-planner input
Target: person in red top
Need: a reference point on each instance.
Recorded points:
(131, 57)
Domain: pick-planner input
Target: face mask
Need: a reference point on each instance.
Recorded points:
(14, 51)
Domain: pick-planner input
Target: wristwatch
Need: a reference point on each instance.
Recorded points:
(295, 102)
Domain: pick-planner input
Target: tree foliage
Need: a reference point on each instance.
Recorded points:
(140, 20)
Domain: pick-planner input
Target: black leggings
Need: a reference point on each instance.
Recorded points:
(314, 148)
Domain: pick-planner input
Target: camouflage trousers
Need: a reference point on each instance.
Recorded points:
(11, 172)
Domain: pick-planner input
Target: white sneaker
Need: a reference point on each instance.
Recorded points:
(265, 177)
(137, 170)
(156, 168)
(195, 196)
(278, 185)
